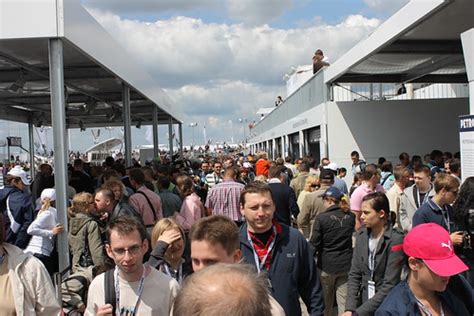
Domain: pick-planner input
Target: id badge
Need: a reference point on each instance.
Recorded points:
(371, 289)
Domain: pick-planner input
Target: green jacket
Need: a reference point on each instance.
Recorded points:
(78, 227)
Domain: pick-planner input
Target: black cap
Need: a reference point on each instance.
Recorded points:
(326, 174)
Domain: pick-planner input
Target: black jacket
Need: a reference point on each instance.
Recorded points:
(292, 272)
(388, 266)
(284, 198)
(332, 239)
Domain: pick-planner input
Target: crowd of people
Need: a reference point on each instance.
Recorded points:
(242, 235)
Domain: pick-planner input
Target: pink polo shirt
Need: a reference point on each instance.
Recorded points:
(360, 192)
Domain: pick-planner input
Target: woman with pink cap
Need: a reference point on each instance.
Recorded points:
(432, 267)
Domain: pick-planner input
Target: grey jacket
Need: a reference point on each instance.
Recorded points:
(388, 267)
(408, 206)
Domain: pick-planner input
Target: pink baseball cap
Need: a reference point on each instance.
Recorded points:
(431, 243)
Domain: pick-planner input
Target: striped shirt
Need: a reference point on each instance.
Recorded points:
(224, 199)
(212, 179)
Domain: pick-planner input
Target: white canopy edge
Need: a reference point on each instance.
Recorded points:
(399, 23)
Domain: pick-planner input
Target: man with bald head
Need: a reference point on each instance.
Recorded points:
(207, 292)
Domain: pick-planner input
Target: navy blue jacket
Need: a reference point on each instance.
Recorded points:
(401, 301)
(429, 212)
(22, 212)
(284, 198)
(292, 272)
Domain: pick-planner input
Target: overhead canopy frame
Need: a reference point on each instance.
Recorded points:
(420, 43)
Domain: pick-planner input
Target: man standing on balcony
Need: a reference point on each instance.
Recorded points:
(319, 61)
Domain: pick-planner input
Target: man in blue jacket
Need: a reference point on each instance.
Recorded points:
(279, 251)
(16, 206)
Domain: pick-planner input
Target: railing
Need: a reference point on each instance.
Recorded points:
(310, 94)
(389, 91)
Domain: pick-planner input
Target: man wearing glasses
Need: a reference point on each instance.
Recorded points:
(139, 290)
(438, 209)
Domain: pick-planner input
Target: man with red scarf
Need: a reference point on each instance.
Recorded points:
(279, 251)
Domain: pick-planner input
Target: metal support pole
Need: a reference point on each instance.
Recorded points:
(170, 133)
(31, 147)
(156, 149)
(301, 144)
(60, 139)
(467, 39)
(180, 130)
(127, 122)
(274, 149)
(283, 147)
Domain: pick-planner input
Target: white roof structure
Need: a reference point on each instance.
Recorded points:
(95, 66)
(419, 43)
(105, 145)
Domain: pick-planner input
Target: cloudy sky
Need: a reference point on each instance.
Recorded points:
(221, 60)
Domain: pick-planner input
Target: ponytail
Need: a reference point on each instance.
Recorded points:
(45, 204)
(344, 204)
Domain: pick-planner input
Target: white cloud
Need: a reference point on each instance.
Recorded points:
(183, 50)
(253, 12)
(150, 6)
(221, 72)
(384, 6)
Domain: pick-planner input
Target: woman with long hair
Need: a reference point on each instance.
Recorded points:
(464, 221)
(332, 239)
(168, 243)
(375, 267)
(85, 236)
(43, 231)
(192, 208)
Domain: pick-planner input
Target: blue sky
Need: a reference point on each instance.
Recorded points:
(221, 60)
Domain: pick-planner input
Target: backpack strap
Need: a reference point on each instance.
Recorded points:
(386, 178)
(109, 289)
(149, 203)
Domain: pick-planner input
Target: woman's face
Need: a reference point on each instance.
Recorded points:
(327, 203)
(118, 193)
(370, 217)
(176, 248)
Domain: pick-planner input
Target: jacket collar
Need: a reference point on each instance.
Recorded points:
(282, 233)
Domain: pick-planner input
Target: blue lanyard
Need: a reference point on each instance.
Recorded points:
(178, 276)
(117, 292)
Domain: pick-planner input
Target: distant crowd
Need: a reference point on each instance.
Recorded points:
(242, 235)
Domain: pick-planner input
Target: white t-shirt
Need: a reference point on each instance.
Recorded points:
(157, 298)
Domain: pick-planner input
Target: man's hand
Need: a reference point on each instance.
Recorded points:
(348, 313)
(456, 238)
(105, 310)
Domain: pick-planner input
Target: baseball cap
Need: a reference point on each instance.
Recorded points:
(247, 165)
(333, 192)
(431, 243)
(18, 171)
(326, 174)
(331, 166)
(48, 194)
